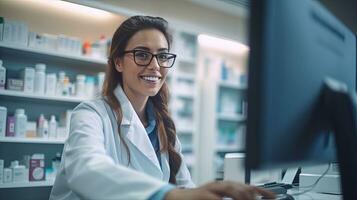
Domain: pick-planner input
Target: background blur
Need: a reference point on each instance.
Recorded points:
(208, 82)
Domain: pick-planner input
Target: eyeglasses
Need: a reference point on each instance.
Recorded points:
(144, 58)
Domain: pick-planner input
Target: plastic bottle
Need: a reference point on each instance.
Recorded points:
(40, 122)
(90, 87)
(101, 77)
(45, 129)
(80, 85)
(20, 123)
(51, 81)
(59, 85)
(56, 161)
(52, 128)
(2, 76)
(65, 86)
(40, 78)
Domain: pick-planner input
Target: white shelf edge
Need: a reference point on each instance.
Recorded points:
(53, 53)
(41, 97)
(225, 117)
(32, 140)
(227, 148)
(45, 183)
(227, 84)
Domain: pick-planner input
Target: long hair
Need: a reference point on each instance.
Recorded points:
(165, 125)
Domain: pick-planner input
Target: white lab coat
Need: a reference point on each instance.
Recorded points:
(95, 164)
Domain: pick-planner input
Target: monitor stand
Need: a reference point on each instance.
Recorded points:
(339, 108)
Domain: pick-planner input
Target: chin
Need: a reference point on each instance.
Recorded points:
(152, 93)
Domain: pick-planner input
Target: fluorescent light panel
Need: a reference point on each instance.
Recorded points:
(222, 44)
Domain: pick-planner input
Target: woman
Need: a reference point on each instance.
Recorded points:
(124, 146)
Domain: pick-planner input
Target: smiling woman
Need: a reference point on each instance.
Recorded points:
(124, 145)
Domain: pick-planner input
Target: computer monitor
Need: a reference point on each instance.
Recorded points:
(294, 47)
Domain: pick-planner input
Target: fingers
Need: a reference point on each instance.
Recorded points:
(264, 193)
(237, 191)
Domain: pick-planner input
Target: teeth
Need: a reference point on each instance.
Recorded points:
(150, 78)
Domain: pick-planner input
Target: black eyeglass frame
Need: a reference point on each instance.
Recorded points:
(152, 56)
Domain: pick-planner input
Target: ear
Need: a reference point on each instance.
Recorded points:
(118, 65)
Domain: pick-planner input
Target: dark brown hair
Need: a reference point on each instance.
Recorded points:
(165, 125)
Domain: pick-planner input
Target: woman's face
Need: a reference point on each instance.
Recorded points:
(143, 81)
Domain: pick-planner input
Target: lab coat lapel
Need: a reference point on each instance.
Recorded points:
(136, 132)
(165, 166)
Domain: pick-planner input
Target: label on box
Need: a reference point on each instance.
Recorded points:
(37, 169)
(10, 128)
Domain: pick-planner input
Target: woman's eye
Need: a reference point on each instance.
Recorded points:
(142, 55)
(163, 56)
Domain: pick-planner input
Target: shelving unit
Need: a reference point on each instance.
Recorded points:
(45, 55)
(32, 140)
(184, 92)
(46, 183)
(223, 111)
(20, 94)
(15, 58)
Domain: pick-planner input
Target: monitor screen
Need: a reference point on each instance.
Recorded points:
(294, 46)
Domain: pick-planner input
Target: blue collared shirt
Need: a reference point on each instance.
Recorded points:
(151, 130)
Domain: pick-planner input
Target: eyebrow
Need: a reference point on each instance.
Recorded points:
(148, 49)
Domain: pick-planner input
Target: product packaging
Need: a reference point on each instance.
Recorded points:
(20, 123)
(1, 171)
(10, 126)
(28, 76)
(37, 168)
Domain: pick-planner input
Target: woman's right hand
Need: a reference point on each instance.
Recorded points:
(218, 190)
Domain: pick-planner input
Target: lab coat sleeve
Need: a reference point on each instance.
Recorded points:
(91, 173)
(183, 177)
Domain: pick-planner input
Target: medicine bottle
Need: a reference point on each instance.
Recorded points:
(40, 78)
(20, 123)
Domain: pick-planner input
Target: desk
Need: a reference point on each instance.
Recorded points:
(315, 196)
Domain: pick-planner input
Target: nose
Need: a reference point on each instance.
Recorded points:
(154, 64)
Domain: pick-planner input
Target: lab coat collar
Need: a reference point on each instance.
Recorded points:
(136, 132)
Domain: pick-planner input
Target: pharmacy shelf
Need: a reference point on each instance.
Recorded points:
(185, 95)
(184, 130)
(187, 60)
(227, 148)
(231, 117)
(32, 140)
(232, 85)
(41, 97)
(46, 183)
(48, 55)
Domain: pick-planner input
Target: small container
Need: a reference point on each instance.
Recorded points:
(19, 172)
(3, 115)
(10, 127)
(2, 76)
(45, 133)
(59, 85)
(40, 122)
(80, 85)
(101, 77)
(7, 175)
(40, 78)
(31, 129)
(90, 87)
(20, 123)
(28, 76)
(15, 84)
(56, 161)
(51, 81)
(52, 128)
